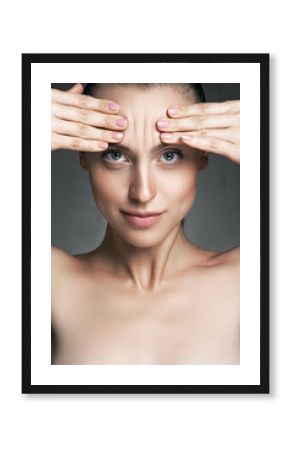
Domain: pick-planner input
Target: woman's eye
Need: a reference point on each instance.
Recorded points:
(116, 156)
(170, 156)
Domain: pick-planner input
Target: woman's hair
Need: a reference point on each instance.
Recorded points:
(195, 90)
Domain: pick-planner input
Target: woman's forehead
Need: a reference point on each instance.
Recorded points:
(133, 98)
(142, 108)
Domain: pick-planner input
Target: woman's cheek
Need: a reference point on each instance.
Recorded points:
(108, 186)
(180, 185)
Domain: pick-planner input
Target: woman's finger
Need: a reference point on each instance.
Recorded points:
(199, 122)
(226, 134)
(59, 141)
(76, 89)
(84, 101)
(81, 130)
(229, 106)
(88, 117)
(213, 145)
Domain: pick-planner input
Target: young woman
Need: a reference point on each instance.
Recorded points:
(146, 295)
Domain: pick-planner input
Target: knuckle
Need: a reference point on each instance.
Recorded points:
(202, 107)
(83, 116)
(199, 121)
(76, 143)
(82, 130)
(82, 102)
(109, 123)
(102, 135)
(213, 144)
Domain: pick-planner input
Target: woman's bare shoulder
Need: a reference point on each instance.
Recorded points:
(64, 269)
(62, 262)
(224, 274)
(59, 256)
(229, 257)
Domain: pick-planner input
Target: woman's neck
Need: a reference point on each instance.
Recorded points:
(147, 268)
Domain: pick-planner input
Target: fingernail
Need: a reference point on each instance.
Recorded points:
(117, 135)
(174, 111)
(163, 123)
(121, 122)
(103, 145)
(113, 106)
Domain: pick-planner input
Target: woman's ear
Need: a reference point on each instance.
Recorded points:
(83, 160)
(203, 160)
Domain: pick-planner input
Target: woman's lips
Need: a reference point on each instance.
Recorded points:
(142, 222)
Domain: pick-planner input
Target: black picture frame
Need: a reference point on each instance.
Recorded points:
(262, 59)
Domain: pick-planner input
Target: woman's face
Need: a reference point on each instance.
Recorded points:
(141, 173)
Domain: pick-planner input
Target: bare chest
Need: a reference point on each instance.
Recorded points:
(188, 323)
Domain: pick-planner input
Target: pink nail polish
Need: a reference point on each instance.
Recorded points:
(103, 145)
(117, 135)
(113, 106)
(174, 111)
(121, 122)
(163, 123)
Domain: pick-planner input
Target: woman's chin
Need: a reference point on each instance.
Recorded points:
(141, 238)
(143, 241)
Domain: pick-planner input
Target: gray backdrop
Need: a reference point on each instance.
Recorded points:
(213, 222)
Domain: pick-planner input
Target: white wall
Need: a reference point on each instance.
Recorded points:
(143, 422)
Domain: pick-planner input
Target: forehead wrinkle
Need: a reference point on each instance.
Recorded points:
(140, 107)
(142, 133)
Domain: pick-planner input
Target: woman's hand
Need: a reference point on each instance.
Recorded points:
(211, 127)
(77, 121)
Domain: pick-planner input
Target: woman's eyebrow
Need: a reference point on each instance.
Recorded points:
(129, 150)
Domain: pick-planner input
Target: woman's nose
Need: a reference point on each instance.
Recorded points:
(142, 187)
